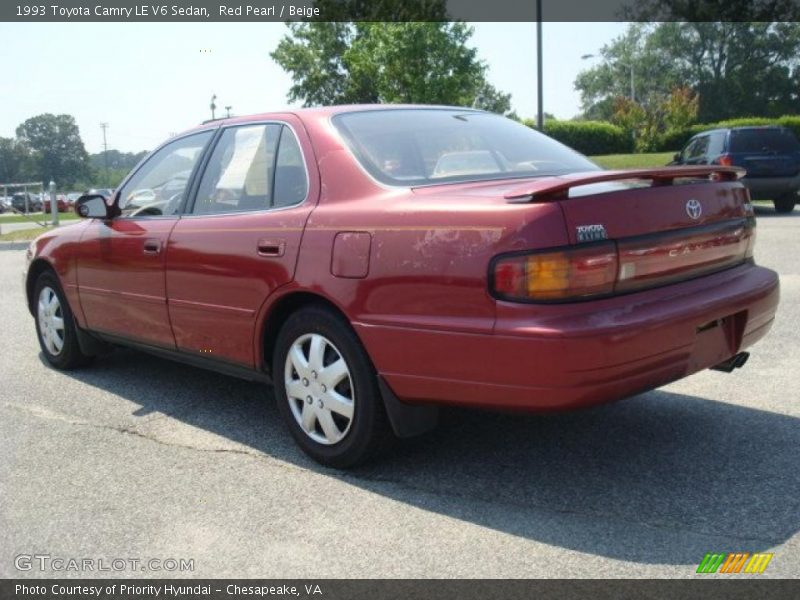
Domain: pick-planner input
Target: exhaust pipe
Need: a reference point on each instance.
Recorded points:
(734, 362)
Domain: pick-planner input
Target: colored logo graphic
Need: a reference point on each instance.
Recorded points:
(735, 562)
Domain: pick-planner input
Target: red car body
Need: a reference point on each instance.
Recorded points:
(410, 268)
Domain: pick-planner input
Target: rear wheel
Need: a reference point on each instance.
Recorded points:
(785, 203)
(326, 389)
(55, 326)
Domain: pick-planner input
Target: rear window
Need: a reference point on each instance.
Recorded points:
(411, 147)
(763, 140)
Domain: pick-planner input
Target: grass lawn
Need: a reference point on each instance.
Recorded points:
(23, 235)
(633, 161)
(15, 218)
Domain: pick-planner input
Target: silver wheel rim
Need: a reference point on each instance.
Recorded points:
(51, 321)
(319, 389)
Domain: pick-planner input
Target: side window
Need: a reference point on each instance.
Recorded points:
(687, 151)
(291, 183)
(716, 144)
(159, 186)
(239, 175)
(700, 148)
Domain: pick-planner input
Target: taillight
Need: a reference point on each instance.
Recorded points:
(628, 265)
(725, 160)
(567, 274)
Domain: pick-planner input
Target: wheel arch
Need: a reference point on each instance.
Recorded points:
(278, 311)
(406, 420)
(35, 269)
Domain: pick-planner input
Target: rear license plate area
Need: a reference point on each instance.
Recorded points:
(717, 340)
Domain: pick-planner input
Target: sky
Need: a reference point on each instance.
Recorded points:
(151, 80)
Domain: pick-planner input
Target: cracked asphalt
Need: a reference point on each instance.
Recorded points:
(138, 457)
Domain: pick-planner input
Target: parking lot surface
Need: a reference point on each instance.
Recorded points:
(138, 457)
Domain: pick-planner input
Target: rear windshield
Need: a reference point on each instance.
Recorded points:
(411, 147)
(764, 140)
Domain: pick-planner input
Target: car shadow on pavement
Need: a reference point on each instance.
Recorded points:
(660, 478)
(767, 211)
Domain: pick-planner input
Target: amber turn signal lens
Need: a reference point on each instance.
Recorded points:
(560, 275)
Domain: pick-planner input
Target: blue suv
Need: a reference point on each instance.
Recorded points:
(770, 154)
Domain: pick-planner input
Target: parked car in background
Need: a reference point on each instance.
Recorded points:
(61, 203)
(771, 156)
(33, 204)
(72, 197)
(374, 262)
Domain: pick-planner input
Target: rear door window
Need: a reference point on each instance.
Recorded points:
(239, 173)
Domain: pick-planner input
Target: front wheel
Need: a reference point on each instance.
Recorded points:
(55, 326)
(785, 204)
(326, 389)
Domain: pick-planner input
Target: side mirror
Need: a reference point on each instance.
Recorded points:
(93, 206)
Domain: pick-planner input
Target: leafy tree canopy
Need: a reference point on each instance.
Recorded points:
(737, 69)
(54, 149)
(378, 62)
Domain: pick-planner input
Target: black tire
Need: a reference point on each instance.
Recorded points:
(69, 356)
(368, 432)
(785, 204)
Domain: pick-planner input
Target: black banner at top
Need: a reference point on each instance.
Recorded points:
(398, 10)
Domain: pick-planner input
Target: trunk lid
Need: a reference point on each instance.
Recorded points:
(667, 226)
(664, 225)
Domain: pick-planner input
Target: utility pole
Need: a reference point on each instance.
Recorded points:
(540, 86)
(213, 106)
(104, 126)
(228, 112)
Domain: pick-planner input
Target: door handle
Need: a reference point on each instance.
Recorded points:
(271, 248)
(152, 246)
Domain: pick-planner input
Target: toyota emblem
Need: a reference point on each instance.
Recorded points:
(694, 209)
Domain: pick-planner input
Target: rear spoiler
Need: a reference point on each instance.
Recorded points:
(554, 188)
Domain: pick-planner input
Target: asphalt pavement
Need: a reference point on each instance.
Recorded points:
(141, 458)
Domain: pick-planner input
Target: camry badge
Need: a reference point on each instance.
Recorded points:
(591, 233)
(694, 209)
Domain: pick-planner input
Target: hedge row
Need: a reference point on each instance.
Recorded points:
(676, 139)
(588, 137)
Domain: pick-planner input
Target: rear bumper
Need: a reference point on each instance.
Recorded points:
(768, 188)
(559, 357)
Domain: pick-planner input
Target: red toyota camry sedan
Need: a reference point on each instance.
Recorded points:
(375, 262)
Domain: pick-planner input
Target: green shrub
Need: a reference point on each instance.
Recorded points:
(588, 137)
(791, 122)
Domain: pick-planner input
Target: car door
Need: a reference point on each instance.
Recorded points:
(120, 266)
(239, 240)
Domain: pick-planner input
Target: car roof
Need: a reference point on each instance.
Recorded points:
(741, 128)
(323, 112)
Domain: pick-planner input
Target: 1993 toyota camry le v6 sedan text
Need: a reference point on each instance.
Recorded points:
(375, 262)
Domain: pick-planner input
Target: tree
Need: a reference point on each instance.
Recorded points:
(378, 62)
(645, 123)
(737, 69)
(13, 161)
(55, 148)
